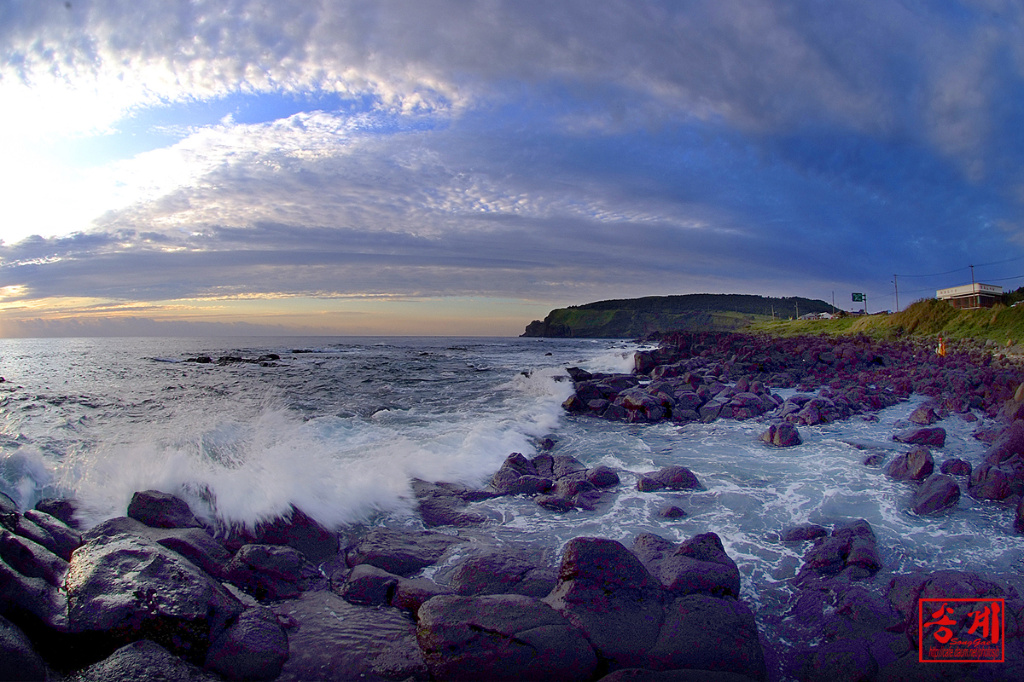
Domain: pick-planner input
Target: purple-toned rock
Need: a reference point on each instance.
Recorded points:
(990, 482)
(605, 591)
(254, 647)
(272, 571)
(195, 544)
(59, 508)
(708, 634)
(602, 477)
(298, 530)
(411, 593)
(671, 477)
(671, 512)
(810, 531)
(924, 415)
(18, 660)
(401, 553)
(62, 538)
(501, 637)
(956, 467)
(915, 465)
(143, 660)
(555, 503)
(161, 510)
(1018, 518)
(1008, 443)
(782, 435)
(369, 586)
(937, 493)
(124, 588)
(31, 559)
(507, 572)
(932, 437)
(699, 564)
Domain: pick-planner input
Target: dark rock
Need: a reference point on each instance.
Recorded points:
(272, 571)
(254, 647)
(59, 508)
(161, 510)
(1018, 518)
(565, 465)
(990, 482)
(811, 531)
(63, 539)
(604, 590)
(924, 415)
(1008, 443)
(937, 493)
(875, 460)
(400, 553)
(9, 512)
(782, 435)
(915, 465)
(142, 660)
(956, 467)
(501, 637)
(645, 675)
(671, 477)
(704, 633)
(507, 572)
(331, 639)
(32, 601)
(933, 437)
(602, 477)
(447, 510)
(671, 512)
(195, 544)
(298, 530)
(369, 586)
(18, 660)
(125, 588)
(555, 503)
(411, 593)
(698, 565)
(31, 559)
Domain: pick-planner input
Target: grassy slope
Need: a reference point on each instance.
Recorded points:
(929, 318)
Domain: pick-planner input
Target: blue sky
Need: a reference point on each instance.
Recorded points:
(449, 167)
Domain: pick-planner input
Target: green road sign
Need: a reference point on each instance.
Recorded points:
(858, 297)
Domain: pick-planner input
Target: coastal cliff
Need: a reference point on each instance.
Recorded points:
(628, 318)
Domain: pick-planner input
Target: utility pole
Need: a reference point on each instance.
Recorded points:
(897, 285)
(972, 276)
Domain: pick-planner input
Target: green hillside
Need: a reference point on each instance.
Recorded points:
(630, 318)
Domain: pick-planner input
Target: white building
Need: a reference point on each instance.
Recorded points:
(968, 296)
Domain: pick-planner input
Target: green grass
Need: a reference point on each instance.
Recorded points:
(926, 319)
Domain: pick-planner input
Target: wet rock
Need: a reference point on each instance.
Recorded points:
(937, 493)
(330, 639)
(440, 507)
(369, 586)
(671, 477)
(915, 465)
(555, 503)
(125, 588)
(810, 531)
(956, 467)
(298, 530)
(9, 513)
(924, 415)
(671, 512)
(501, 637)
(698, 565)
(411, 593)
(60, 508)
(932, 437)
(851, 548)
(782, 435)
(31, 559)
(1018, 518)
(604, 590)
(400, 553)
(874, 460)
(254, 647)
(161, 510)
(18, 660)
(32, 601)
(704, 633)
(272, 571)
(142, 660)
(507, 572)
(519, 476)
(195, 544)
(990, 482)
(62, 538)
(602, 477)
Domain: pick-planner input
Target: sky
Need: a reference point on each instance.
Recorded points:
(451, 167)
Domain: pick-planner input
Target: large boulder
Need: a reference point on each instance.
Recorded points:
(915, 465)
(698, 565)
(604, 590)
(991, 482)
(62, 538)
(142, 660)
(930, 436)
(195, 544)
(18, 660)
(124, 588)
(272, 571)
(501, 637)
(937, 493)
(508, 572)
(782, 435)
(300, 531)
(31, 559)
(709, 634)
(161, 510)
(254, 647)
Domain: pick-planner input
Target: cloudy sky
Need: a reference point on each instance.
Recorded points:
(460, 167)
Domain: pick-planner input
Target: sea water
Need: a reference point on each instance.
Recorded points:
(340, 426)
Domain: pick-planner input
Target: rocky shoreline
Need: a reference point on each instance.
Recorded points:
(158, 592)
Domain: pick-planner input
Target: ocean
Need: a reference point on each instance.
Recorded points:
(339, 426)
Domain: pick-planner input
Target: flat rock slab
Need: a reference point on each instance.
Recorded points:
(401, 553)
(332, 641)
(501, 637)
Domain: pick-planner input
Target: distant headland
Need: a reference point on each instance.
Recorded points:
(635, 317)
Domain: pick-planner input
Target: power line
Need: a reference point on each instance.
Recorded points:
(968, 267)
